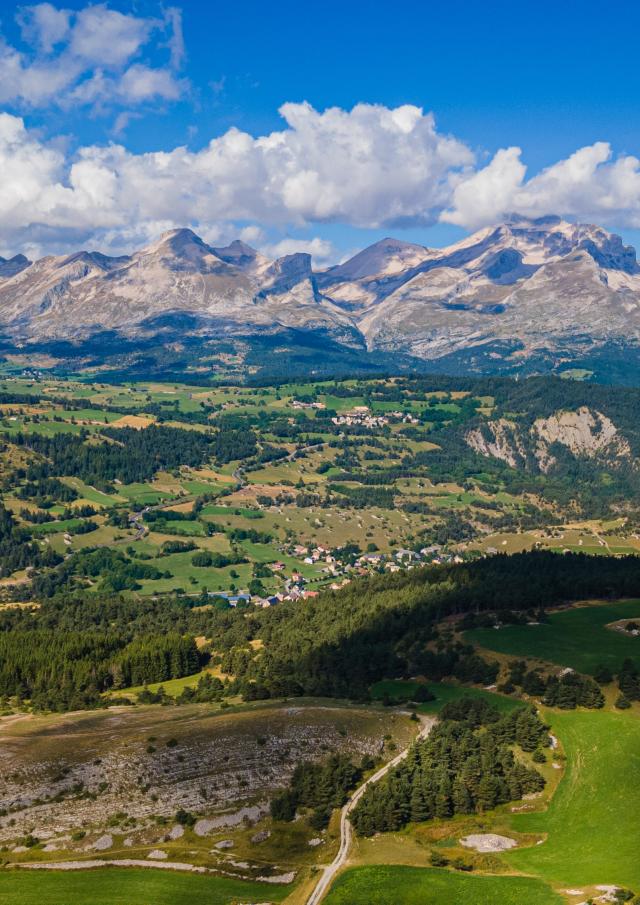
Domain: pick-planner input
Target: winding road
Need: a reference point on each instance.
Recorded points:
(346, 830)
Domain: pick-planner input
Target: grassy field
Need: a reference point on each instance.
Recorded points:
(173, 687)
(443, 694)
(577, 637)
(391, 885)
(592, 832)
(125, 886)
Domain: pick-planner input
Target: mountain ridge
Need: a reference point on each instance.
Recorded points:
(515, 291)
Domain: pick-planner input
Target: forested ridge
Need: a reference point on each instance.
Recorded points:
(335, 645)
(381, 626)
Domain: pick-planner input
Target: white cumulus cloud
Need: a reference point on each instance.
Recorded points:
(591, 184)
(93, 56)
(321, 250)
(371, 167)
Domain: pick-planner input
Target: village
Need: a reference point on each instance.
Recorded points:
(338, 567)
(359, 415)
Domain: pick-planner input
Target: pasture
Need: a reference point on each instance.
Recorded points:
(392, 885)
(124, 886)
(575, 637)
(402, 690)
(590, 829)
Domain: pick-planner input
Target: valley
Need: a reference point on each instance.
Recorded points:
(319, 454)
(206, 590)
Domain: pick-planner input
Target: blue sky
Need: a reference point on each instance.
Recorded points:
(548, 79)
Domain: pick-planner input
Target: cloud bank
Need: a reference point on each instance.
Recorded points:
(370, 166)
(94, 57)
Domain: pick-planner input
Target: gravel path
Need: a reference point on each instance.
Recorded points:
(346, 830)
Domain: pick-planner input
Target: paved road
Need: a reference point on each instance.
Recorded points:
(346, 830)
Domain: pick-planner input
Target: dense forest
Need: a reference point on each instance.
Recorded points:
(466, 765)
(65, 670)
(129, 455)
(335, 645)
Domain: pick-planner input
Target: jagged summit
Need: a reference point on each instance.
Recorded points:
(522, 288)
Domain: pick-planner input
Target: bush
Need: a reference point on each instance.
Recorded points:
(185, 818)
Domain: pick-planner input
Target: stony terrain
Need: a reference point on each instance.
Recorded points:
(63, 772)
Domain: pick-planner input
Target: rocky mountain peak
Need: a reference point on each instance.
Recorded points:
(524, 291)
(384, 258)
(287, 272)
(11, 266)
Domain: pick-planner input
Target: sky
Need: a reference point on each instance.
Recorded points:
(317, 127)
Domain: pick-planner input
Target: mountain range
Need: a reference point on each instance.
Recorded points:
(537, 293)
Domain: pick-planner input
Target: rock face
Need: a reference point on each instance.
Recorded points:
(523, 290)
(583, 432)
(228, 288)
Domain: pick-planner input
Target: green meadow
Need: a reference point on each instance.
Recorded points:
(591, 827)
(577, 637)
(391, 885)
(126, 886)
(398, 689)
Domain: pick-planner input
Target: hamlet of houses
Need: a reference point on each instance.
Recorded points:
(359, 415)
(295, 587)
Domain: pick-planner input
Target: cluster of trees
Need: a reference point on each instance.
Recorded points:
(362, 497)
(466, 765)
(177, 546)
(572, 690)
(320, 787)
(36, 516)
(158, 517)
(255, 537)
(567, 691)
(216, 560)
(155, 659)
(629, 684)
(65, 670)
(110, 567)
(45, 491)
(17, 551)
(209, 688)
(132, 455)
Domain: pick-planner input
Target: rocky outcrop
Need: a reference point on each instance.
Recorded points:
(584, 432)
(500, 439)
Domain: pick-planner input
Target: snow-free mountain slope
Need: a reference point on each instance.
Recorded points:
(526, 290)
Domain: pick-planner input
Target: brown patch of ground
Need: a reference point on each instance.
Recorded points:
(137, 421)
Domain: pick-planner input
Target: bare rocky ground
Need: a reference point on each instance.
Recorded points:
(119, 776)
